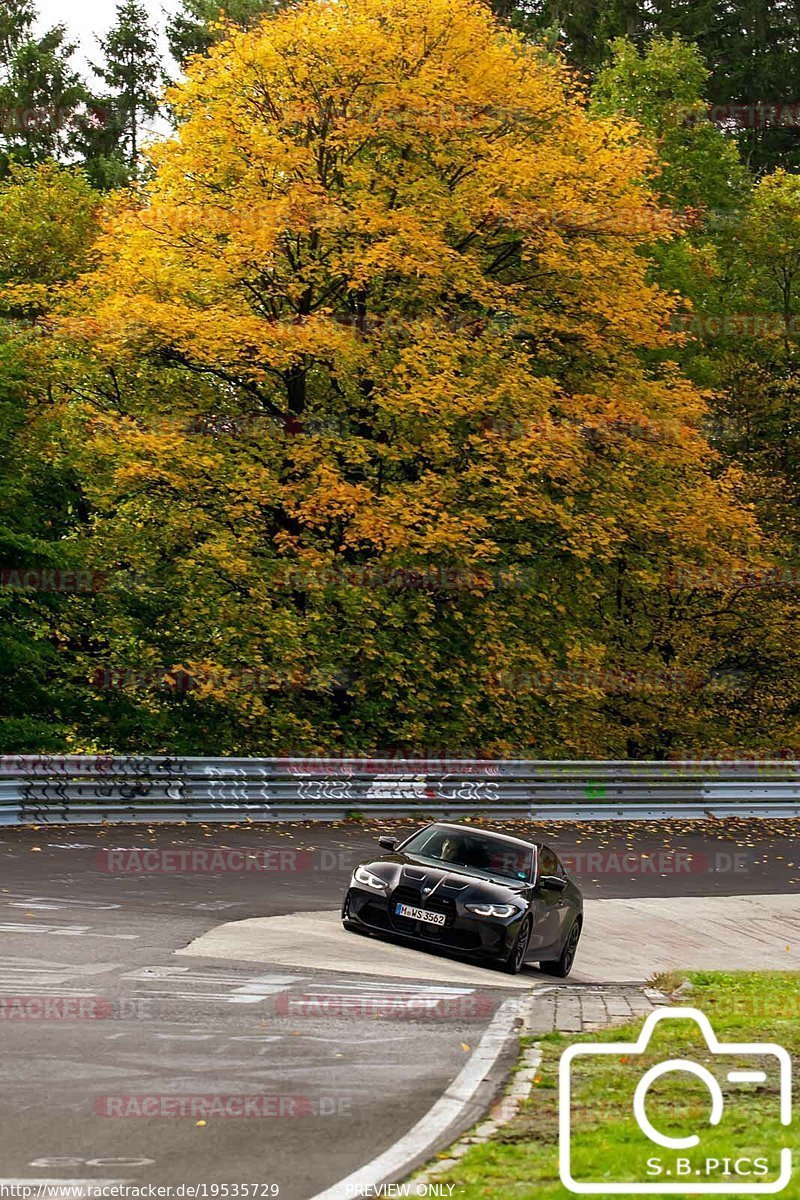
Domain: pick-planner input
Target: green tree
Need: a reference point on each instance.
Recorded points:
(197, 24)
(747, 343)
(42, 97)
(741, 280)
(47, 222)
(133, 73)
(663, 88)
(751, 49)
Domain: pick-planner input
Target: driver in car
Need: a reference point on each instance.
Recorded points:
(451, 850)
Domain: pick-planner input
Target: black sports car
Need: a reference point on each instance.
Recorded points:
(460, 888)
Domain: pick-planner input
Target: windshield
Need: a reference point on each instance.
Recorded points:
(490, 855)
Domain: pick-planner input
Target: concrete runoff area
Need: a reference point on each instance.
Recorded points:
(635, 939)
(623, 941)
(317, 940)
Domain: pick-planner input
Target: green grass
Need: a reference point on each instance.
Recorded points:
(522, 1159)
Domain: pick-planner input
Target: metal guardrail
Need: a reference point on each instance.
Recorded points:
(52, 789)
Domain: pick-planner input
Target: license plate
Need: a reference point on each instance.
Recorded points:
(419, 914)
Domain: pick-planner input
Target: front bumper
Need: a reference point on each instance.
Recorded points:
(490, 937)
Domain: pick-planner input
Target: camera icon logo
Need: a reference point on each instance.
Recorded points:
(690, 1164)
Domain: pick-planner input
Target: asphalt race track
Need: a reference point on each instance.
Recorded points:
(119, 1056)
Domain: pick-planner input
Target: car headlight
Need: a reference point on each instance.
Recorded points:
(367, 879)
(492, 910)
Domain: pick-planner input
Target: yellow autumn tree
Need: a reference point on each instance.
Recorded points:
(381, 414)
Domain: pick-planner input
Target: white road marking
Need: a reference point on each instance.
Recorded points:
(65, 931)
(247, 990)
(257, 989)
(71, 845)
(20, 976)
(72, 1162)
(20, 900)
(59, 992)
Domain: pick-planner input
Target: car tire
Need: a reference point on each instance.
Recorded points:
(514, 961)
(561, 967)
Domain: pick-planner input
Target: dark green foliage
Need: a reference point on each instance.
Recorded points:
(133, 75)
(752, 50)
(191, 30)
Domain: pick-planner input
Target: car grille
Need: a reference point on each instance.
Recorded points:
(435, 903)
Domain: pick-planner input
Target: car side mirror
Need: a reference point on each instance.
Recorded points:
(553, 883)
(388, 843)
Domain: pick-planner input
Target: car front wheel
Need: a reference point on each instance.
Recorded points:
(514, 961)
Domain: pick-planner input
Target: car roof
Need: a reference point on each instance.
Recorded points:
(491, 833)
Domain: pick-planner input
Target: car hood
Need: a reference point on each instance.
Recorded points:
(404, 870)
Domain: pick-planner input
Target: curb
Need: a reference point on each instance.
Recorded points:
(449, 1110)
(439, 1127)
(507, 1107)
(500, 1114)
